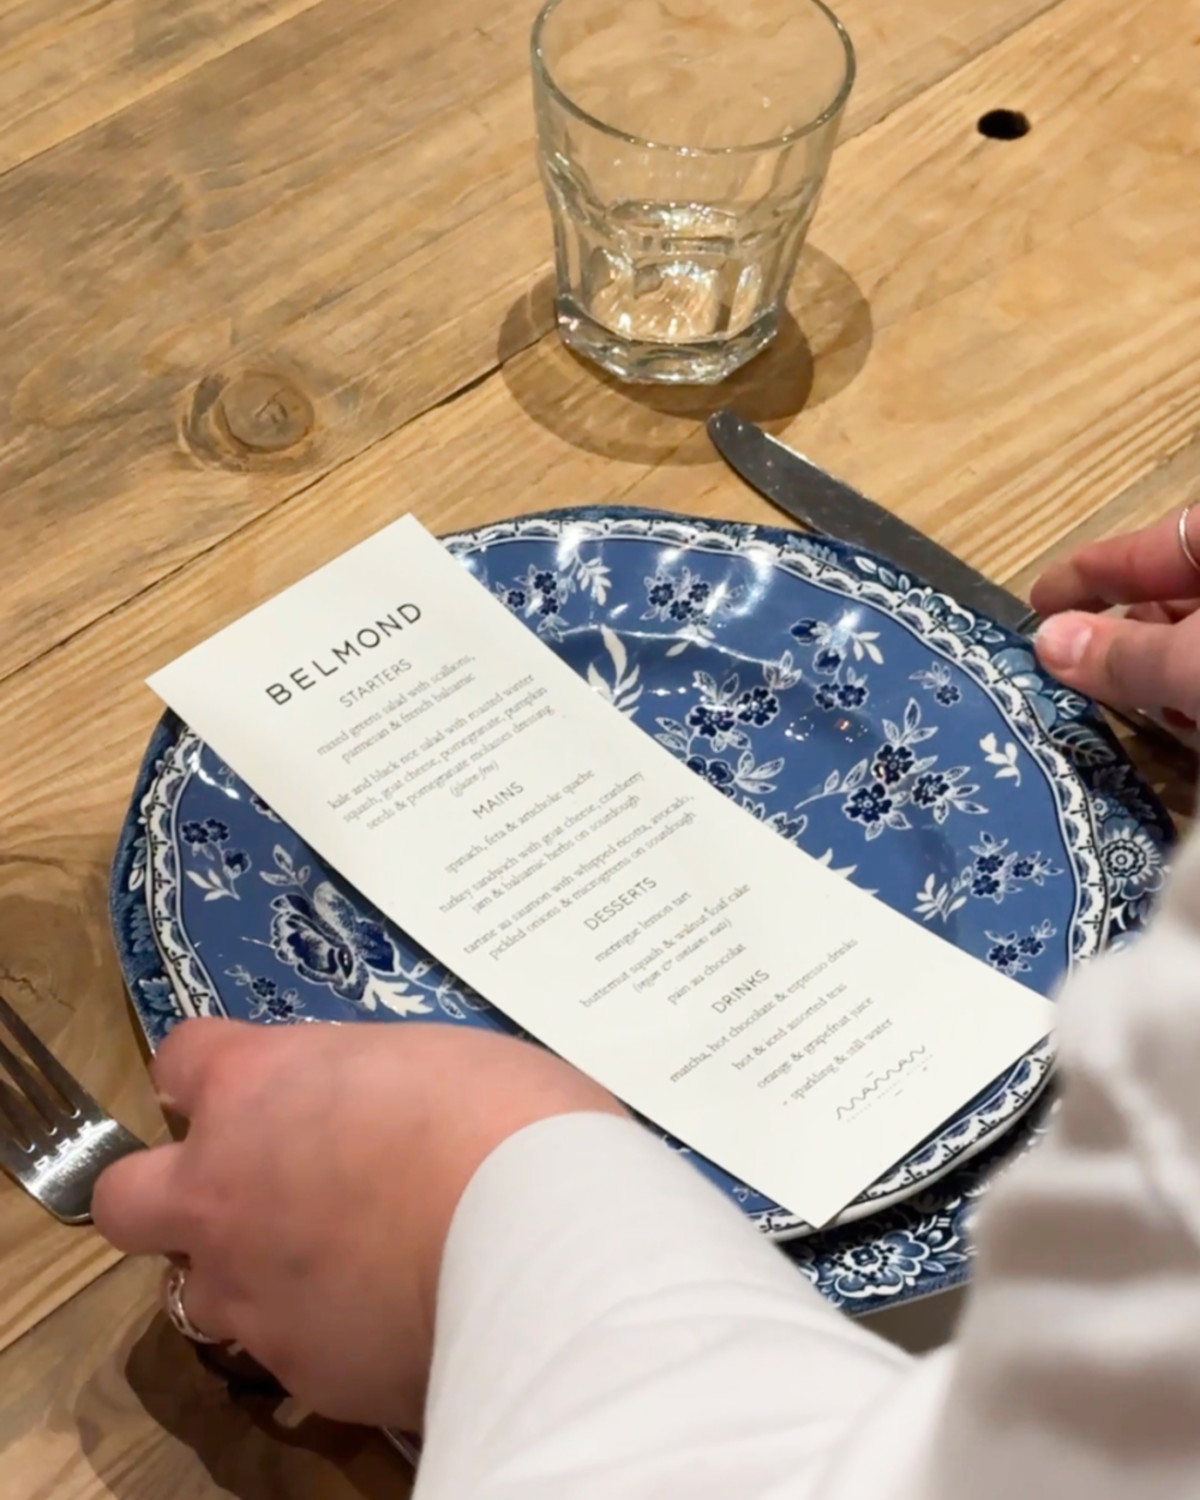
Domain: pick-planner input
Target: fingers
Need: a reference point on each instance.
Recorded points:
(1122, 662)
(185, 1061)
(137, 1205)
(1164, 612)
(1143, 565)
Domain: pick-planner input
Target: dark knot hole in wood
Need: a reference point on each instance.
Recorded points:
(264, 413)
(1004, 124)
(249, 420)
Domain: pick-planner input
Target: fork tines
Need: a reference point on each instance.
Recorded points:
(58, 1140)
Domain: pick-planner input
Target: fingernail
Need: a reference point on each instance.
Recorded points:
(289, 1414)
(1062, 640)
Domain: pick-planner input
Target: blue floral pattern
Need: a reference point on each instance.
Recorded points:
(939, 681)
(1013, 954)
(688, 603)
(994, 874)
(900, 740)
(271, 1005)
(326, 935)
(1132, 859)
(541, 594)
(220, 866)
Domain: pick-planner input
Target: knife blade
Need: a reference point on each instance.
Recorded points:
(830, 508)
(833, 509)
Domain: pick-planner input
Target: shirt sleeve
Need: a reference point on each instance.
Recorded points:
(609, 1325)
(1077, 1372)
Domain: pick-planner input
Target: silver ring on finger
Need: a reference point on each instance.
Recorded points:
(1185, 546)
(177, 1313)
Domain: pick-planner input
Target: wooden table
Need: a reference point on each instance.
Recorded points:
(274, 271)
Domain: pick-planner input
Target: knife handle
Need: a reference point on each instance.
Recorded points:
(1154, 726)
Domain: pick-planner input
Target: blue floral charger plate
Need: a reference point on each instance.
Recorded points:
(913, 747)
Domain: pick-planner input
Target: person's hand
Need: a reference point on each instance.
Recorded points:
(1150, 656)
(313, 1194)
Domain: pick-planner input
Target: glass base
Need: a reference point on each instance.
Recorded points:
(706, 362)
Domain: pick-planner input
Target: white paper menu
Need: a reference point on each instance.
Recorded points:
(748, 1000)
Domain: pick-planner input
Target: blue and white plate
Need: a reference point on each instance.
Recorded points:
(913, 747)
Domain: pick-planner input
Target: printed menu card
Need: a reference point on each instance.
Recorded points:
(747, 999)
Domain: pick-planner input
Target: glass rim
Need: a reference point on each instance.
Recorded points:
(542, 72)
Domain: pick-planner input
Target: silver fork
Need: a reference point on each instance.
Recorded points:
(54, 1138)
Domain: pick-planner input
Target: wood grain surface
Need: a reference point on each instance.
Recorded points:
(67, 64)
(359, 236)
(108, 1401)
(275, 273)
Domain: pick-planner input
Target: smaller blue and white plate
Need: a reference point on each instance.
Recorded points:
(913, 747)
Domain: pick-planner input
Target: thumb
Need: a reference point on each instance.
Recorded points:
(1122, 662)
(137, 1205)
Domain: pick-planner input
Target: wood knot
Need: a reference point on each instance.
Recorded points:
(247, 420)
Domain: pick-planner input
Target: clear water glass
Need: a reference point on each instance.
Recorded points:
(683, 145)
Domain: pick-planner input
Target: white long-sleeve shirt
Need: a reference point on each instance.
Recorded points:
(591, 1345)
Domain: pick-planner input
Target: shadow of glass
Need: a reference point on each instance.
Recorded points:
(823, 343)
(235, 1438)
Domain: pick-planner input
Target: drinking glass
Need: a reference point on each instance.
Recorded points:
(683, 145)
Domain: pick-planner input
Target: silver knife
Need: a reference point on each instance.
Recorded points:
(831, 508)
